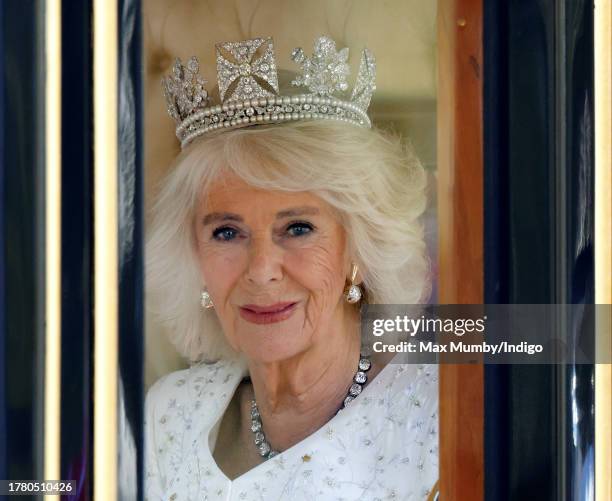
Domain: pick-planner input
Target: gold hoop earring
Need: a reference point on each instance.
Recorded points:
(206, 300)
(354, 292)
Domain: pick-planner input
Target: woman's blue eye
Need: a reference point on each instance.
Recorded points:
(299, 229)
(225, 233)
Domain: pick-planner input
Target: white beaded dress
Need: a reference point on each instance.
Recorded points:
(383, 445)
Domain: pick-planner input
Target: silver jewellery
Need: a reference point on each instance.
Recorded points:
(354, 292)
(206, 300)
(248, 87)
(359, 381)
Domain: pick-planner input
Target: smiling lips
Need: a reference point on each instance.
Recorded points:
(267, 314)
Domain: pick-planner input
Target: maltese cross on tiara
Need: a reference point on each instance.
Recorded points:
(247, 75)
(249, 89)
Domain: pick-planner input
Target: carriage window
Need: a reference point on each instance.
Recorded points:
(290, 250)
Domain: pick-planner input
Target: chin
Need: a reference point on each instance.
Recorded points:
(266, 354)
(273, 344)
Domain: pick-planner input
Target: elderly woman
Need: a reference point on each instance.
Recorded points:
(283, 216)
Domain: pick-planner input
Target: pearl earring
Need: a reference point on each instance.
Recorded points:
(206, 300)
(354, 293)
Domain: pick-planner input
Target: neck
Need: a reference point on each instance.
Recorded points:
(298, 396)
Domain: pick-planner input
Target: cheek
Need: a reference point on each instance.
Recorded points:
(220, 268)
(320, 270)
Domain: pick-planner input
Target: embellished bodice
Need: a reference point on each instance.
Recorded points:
(383, 445)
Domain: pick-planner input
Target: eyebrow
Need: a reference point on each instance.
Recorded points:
(215, 217)
(297, 211)
(220, 216)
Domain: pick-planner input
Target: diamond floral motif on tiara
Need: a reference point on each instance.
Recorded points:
(251, 73)
(184, 89)
(325, 72)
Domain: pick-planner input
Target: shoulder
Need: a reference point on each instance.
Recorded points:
(391, 430)
(415, 390)
(413, 415)
(413, 384)
(179, 387)
(406, 399)
(404, 394)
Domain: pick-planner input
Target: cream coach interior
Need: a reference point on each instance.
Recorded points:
(402, 34)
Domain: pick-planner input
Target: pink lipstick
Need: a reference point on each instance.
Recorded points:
(269, 314)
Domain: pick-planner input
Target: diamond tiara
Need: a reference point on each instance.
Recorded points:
(249, 90)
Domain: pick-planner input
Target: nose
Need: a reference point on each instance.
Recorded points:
(265, 261)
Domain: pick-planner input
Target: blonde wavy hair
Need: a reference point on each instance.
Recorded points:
(372, 178)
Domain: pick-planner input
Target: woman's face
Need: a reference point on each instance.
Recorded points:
(275, 265)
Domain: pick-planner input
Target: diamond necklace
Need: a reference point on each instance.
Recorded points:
(359, 381)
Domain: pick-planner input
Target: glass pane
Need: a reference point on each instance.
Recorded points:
(252, 235)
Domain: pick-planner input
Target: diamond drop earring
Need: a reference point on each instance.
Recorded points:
(206, 300)
(354, 293)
